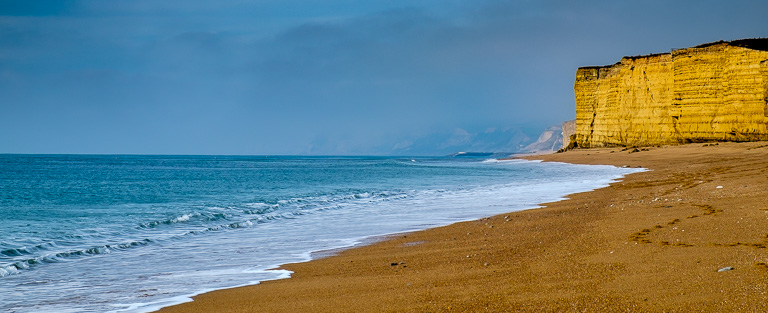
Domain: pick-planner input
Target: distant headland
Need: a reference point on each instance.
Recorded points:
(712, 92)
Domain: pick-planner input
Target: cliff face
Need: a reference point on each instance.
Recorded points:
(711, 92)
(569, 129)
(550, 140)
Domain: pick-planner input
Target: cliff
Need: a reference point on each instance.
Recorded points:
(550, 140)
(711, 92)
(569, 129)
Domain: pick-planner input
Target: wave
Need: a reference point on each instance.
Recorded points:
(509, 161)
(307, 205)
(13, 252)
(236, 217)
(54, 257)
(188, 217)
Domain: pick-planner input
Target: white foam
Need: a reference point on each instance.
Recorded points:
(182, 218)
(8, 270)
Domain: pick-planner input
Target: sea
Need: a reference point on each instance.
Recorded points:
(134, 233)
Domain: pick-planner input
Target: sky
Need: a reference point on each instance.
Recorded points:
(316, 76)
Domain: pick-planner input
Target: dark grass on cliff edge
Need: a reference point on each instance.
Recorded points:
(749, 43)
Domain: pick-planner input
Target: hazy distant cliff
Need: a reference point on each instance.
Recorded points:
(716, 91)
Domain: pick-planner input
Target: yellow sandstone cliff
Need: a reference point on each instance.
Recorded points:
(711, 92)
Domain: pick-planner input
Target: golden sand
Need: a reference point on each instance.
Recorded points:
(653, 242)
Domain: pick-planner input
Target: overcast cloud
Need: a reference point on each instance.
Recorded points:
(315, 77)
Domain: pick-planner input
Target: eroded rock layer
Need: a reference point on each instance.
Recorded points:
(711, 92)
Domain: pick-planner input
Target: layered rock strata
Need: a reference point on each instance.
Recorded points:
(711, 92)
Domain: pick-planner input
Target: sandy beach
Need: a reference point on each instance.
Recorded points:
(690, 235)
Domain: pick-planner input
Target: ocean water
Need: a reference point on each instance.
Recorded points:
(118, 233)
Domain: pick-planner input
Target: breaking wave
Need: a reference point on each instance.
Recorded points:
(15, 260)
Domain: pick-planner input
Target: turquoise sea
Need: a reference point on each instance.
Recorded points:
(124, 233)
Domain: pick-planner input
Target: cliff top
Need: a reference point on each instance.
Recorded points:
(749, 43)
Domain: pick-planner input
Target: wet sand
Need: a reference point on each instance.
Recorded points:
(653, 242)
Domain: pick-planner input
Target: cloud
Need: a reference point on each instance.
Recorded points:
(274, 76)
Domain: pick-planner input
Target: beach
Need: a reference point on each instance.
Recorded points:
(227, 220)
(690, 235)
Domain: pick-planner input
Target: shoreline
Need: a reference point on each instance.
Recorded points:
(581, 253)
(362, 241)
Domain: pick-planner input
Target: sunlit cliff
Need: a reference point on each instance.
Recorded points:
(712, 92)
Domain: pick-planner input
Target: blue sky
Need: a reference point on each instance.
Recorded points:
(315, 77)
